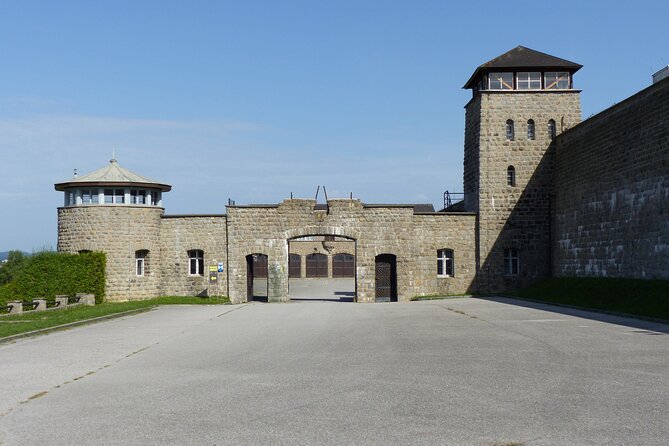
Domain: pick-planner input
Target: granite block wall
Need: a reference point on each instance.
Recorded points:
(611, 206)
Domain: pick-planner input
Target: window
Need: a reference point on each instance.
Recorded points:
(529, 80)
(445, 265)
(114, 196)
(140, 261)
(501, 81)
(196, 262)
(530, 129)
(89, 196)
(551, 129)
(511, 262)
(511, 176)
(137, 196)
(119, 196)
(556, 80)
(509, 130)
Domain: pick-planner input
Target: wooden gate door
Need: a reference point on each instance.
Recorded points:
(386, 278)
(343, 265)
(294, 266)
(249, 278)
(260, 266)
(317, 265)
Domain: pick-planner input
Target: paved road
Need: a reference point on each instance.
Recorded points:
(453, 372)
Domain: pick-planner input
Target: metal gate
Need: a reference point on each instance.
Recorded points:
(386, 278)
(317, 265)
(343, 265)
(294, 266)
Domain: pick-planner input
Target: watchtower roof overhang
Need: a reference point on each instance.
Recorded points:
(522, 58)
(112, 175)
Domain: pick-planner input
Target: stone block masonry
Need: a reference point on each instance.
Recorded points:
(513, 216)
(375, 229)
(119, 231)
(611, 179)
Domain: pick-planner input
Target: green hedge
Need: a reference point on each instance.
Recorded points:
(47, 274)
(647, 298)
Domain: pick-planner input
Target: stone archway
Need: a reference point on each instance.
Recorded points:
(320, 277)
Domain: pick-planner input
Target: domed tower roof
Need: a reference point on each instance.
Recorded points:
(112, 175)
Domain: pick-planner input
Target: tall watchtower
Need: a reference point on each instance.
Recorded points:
(521, 101)
(118, 212)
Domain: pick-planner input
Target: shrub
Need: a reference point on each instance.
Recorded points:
(47, 274)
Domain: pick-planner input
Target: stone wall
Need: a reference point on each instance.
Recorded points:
(119, 231)
(376, 229)
(611, 210)
(513, 217)
(432, 232)
(183, 233)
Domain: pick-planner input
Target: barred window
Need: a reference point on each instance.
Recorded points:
(196, 262)
(530, 129)
(510, 131)
(511, 176)
(511, 262)
(445, 263)
(551, 129)
(140, 261)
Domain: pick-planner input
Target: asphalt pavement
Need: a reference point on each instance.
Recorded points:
(452, 372)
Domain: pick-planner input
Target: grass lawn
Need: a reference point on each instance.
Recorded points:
(22, 323)
(646, 298)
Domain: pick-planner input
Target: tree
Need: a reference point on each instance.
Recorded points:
(9, 269)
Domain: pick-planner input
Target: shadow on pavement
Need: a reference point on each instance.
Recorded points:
(643, 326)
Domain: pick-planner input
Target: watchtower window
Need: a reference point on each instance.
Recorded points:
(137, 196)
(511, 176)
(196, 262)
(551, 129)
(114, 196)
(500, 81)
(89, 196)
(529, 80)
(556, 80)
(510, 130)
(530, 129)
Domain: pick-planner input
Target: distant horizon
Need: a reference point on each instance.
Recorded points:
(252, 101)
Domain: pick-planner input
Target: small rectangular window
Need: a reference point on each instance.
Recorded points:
(501, 81)
(445, 264)
(529, 80)
(140, 262)
(196, 262)
(511, 262)
(556, 80)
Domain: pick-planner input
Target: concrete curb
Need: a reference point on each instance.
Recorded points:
(41, 331)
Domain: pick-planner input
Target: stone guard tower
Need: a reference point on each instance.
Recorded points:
(521, 101)
(118, 212)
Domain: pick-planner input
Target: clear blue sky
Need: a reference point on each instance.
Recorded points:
(254, 100)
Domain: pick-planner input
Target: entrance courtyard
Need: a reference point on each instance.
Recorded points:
(460, 371)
